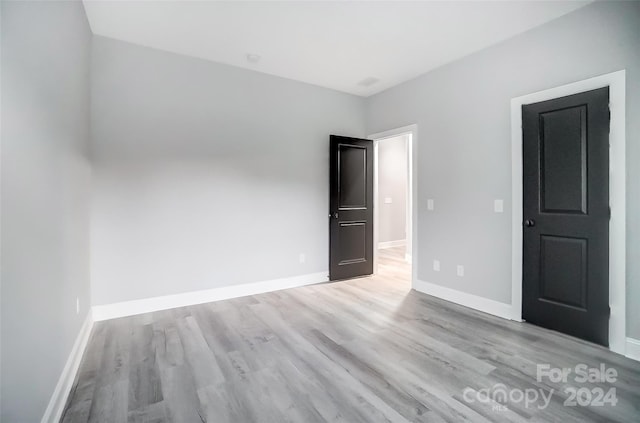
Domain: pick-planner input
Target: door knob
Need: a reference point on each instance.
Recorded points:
(529, 223)
(334, 215)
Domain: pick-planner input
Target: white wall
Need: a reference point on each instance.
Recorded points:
(464, 154)
(206, 175)
(45, 198)
(392, 184)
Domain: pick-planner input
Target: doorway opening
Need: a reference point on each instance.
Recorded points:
(393, 230)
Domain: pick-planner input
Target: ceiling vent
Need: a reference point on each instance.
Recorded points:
(369, 81)
(253, 58)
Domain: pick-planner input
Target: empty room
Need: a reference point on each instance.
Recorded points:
(319, 211)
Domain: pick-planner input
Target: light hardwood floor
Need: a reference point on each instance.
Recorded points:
(364, 350)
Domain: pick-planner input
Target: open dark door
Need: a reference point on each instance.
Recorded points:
(350, 208)
(566, 215)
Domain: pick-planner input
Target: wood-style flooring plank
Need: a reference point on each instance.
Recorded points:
(358, 351)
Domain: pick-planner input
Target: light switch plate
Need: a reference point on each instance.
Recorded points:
(460, 270)
(430, 204)
(498, 206)
(387, 200)
(436, 265)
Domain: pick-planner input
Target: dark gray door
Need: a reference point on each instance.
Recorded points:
(350, 208)
(566, 215)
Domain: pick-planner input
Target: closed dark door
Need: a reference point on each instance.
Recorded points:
(566, 215)
(350, 208)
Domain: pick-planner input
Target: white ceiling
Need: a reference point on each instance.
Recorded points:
(331, 44)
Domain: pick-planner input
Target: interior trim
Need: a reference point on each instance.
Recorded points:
(475, 302)
(633, 349)
(617, 192)
(412, 234)
(146, 305)
(58, 400)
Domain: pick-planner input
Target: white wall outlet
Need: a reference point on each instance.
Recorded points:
(302, 258)
(498, 206)
(430, 204)
(460, 270)
(77, 305)
(387, 200)
(436, 265)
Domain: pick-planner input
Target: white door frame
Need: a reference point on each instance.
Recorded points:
(617, 191)
(412, 205)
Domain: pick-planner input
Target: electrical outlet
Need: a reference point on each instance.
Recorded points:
(77, 305)
(460, 270)
(430, 205)
(498, 206)
(388, 200)
(302, 258)
(436, 265)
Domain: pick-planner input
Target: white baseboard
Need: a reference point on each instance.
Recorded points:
(475, 302)
(391, 244)
(146, 305)
(633, 349)
(58, 400)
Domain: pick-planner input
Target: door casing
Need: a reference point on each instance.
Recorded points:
(617, 192)
(412, 235)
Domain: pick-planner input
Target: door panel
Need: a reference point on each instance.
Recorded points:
(351, 208)
(566, 214)
(564, 161)
(563, 265)
(352, 243)
(352, 161)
